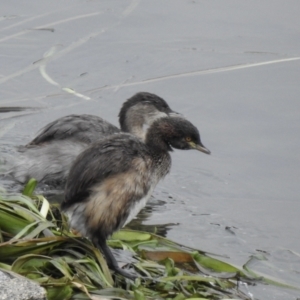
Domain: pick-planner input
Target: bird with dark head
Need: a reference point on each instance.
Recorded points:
(112, 180)
(141, 109)
(49, 156)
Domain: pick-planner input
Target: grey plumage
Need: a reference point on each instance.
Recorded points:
(80, 128)
(142, 108)
(49, 156)
(48, 164)
(117, 172)
(113, 179)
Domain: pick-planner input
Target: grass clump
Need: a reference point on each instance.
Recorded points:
(36, 242)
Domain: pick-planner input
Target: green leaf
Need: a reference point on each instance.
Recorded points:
(5, 266)
(24, 230)
(214, 264)
(197, 299)
(180, 297)
(138, 295)
(130, 236)
(29, 262)
(177, 257)
(59, 292)
(68, 266)
(11, 222)
(30, 187)
(18, 199)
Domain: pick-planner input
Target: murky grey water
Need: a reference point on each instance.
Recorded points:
(224, 65)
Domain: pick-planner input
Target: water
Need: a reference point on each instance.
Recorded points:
(207, 59)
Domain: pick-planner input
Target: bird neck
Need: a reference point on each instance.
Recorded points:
(133, 122)
(157, 140)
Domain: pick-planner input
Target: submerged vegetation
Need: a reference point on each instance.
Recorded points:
(36, 242)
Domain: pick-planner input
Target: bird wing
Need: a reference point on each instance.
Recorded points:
(117, 155)
(83, 128)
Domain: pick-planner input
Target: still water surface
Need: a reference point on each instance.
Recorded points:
(232, 68)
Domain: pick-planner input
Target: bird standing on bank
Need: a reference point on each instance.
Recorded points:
(112, 180)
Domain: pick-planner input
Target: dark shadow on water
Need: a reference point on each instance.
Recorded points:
(15, 108)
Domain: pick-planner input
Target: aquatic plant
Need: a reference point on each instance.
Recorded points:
(35, 241)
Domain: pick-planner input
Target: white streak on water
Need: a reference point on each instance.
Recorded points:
(201, 72)
(131, 8)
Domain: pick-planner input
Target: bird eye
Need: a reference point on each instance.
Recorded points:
(188, 139)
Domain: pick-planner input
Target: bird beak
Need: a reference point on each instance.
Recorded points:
(199, 147)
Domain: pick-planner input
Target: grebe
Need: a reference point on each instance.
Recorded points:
(49, 156)
(111, 181)
(141, 109)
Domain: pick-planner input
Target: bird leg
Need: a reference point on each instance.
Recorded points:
(111, 261)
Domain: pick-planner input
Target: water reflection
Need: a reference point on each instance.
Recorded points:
(145, 215)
